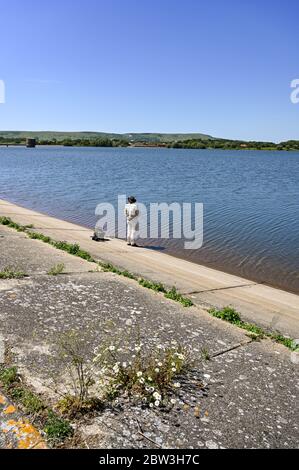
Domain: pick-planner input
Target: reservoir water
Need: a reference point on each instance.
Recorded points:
(250, 198)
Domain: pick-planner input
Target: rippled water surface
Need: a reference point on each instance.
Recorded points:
(251, 224)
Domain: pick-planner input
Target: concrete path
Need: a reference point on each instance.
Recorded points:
(245, 396)
(271, 308)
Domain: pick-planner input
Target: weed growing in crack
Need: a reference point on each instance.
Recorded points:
(57, 428)
(56, 269)
(157, 287)
(11, 273)
(78, 399)
(230, 315)
(71, 248)
(205, 354)
(10, 223)
(174, 295)
(31, 403)
(108, 267)
(150, 376)
(8, 376)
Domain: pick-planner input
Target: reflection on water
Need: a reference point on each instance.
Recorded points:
(251, 225)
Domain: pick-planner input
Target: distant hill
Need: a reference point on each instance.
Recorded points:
(154, 138)
(134, 137)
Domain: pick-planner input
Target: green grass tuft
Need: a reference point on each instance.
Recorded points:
(38, 236)
(157, 287)
(173, 294)
(108, 267)
(230, 315)
(8, 376)
(288, 342)
(71, 248)
(205, 354)
(56, 269)
(169, 294)
(32, 403)
(10, 223)
(11, 273)
(57, 428)
(227, 314)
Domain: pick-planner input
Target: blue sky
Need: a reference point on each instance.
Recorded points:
(221, 67)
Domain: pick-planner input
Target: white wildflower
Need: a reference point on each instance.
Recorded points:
(111, 348)
(157, 370)
(139, 374)
(157, 403)
(177, 384)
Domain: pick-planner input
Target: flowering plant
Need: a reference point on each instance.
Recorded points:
(148, 376)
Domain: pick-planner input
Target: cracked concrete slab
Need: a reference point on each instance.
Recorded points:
(243, 405)
(230, 402)
(18, 251)
(36, 312)
(244, 396)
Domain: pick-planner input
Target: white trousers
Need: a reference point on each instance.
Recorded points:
(132, 231)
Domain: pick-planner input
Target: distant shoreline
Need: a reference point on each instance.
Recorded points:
(154, 147)
(140, 140)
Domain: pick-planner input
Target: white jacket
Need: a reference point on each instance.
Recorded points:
(131, 211)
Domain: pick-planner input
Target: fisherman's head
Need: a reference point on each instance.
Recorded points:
(131, 199)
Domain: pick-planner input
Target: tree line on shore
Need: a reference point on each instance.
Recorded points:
(234, 145)
(223, 144)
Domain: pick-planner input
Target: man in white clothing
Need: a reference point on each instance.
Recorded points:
(131, 213)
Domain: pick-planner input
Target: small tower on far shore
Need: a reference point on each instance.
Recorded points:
(30, 143)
